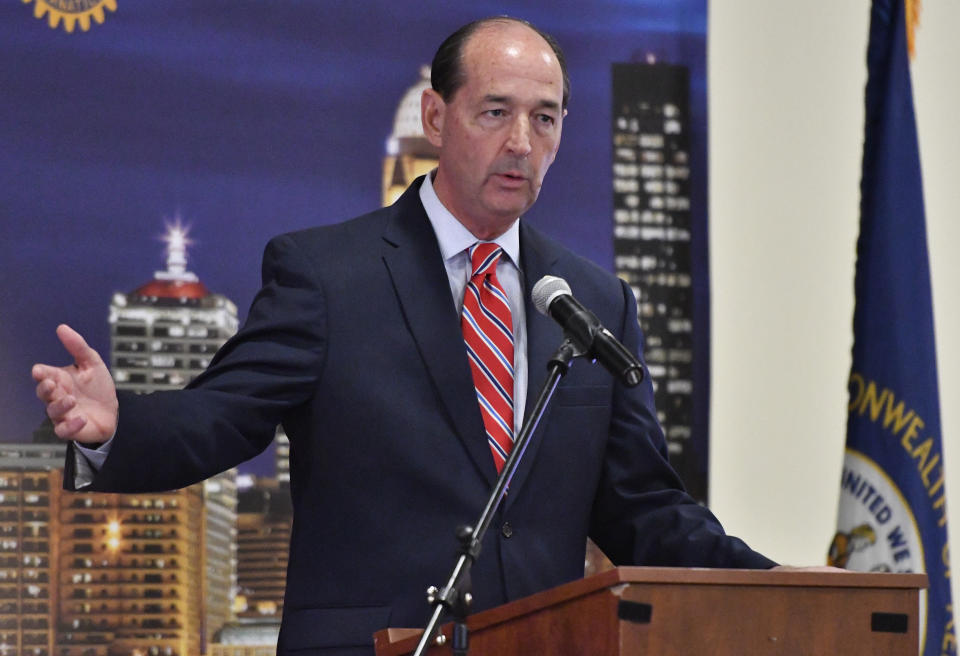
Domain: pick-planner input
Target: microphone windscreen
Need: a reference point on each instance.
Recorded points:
(546, 290)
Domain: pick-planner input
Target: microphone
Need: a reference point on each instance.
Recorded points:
(552, 297)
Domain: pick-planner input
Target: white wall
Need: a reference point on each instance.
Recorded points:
(786, 82)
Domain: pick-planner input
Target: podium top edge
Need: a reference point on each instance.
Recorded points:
(762, 577)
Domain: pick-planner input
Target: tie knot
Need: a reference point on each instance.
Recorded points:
(483, 257)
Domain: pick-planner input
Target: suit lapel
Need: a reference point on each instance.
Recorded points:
(412, 257)
(537, 259)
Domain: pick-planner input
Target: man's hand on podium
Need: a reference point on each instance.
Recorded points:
(81, 399)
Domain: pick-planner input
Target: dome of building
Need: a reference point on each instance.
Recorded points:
(173, 289)
(406, 121)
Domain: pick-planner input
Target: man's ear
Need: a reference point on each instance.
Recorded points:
(432, 110)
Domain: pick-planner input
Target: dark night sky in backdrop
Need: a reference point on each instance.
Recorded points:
(249, 119)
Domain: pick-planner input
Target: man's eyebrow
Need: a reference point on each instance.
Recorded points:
(545, 104)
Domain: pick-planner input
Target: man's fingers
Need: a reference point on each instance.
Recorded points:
(48, 390)
(59, 408)
(41, 372)
(76, 346)
(68, 428)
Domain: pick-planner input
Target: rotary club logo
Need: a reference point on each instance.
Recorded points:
(72, 12)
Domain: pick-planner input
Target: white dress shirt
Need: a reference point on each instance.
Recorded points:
(454, 240)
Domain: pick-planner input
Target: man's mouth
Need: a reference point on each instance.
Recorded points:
(511, 178)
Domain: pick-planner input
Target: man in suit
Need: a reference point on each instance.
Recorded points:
(358, 342)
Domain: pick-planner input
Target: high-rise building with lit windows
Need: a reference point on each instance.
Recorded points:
(652, 237)
(163, 334)
(220, 550)
(264, 522)
(30, 490)
(131, 574)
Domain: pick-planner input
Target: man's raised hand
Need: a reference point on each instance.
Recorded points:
(81, 398)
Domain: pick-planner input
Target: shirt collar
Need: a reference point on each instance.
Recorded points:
(453, 236)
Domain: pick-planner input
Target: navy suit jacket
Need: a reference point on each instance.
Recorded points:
(354, 343)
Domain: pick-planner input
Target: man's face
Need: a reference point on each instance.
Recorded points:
(500, 131)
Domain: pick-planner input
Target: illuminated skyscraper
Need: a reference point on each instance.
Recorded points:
(220, 557)
(264, 520)
(409, 154)
(131, 574)
(652, 237)
(30, 489)
(163, 334)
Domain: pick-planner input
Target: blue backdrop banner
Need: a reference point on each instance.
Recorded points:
(245, 120)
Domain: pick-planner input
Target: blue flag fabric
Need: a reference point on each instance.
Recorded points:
(893, 504)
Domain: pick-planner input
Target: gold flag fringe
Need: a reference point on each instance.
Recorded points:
(913, 19)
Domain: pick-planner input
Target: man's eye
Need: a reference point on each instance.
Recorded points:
(546, 119)
(495, 112)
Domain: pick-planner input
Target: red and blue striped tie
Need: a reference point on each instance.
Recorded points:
(488, 333)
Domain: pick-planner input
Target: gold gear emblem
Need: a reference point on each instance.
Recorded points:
(72, 12)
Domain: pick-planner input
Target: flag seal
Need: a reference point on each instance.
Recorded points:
(876, 529)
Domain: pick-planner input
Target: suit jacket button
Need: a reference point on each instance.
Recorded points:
(506, 530)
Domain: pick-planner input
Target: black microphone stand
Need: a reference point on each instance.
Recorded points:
(455, 596)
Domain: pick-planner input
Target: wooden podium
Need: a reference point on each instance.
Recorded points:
(678, 612)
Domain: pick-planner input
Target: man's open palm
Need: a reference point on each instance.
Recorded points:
(81, 398)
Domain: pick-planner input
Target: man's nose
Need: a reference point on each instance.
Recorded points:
(518, 142)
